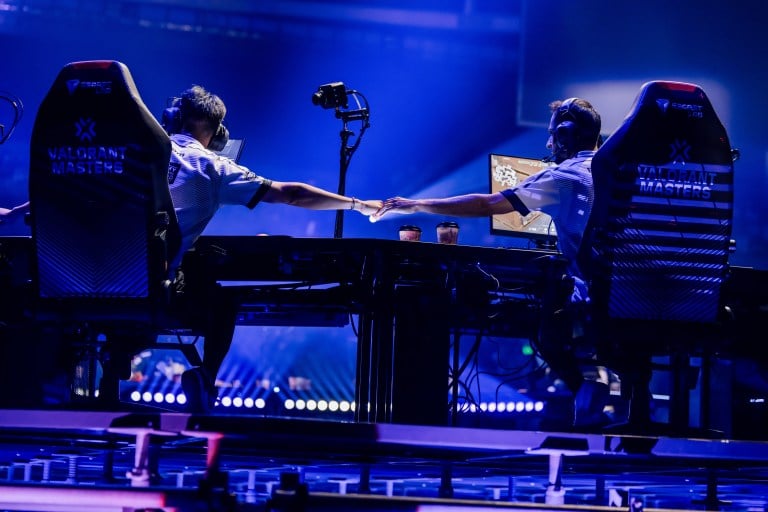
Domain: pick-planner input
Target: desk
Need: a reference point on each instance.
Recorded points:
(409, 297)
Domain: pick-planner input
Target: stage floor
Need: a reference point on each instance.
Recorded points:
(83, 460)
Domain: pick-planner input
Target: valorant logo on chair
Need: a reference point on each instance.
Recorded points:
(86, 159)
(687, 181)
(84, 129)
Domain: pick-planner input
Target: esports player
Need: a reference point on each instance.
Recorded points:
(200, 182)
(564, 191)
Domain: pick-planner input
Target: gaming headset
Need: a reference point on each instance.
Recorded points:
(566, 136)
(172, 123)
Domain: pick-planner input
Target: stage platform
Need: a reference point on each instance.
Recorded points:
(74, 460)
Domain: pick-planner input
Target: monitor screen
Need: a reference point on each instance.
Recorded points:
(233, 149)
(506, 171)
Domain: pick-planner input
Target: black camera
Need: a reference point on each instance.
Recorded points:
(332, 95)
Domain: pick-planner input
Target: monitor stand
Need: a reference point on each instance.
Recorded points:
(547, 244)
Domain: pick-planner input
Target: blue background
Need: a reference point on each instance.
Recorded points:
(447, 83)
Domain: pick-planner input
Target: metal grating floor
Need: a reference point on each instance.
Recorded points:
(117, 460)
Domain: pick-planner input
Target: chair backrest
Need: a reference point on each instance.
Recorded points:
(102, 220)
(659, 237)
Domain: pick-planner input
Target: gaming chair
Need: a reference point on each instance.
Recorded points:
(657, 246)
(102, 221)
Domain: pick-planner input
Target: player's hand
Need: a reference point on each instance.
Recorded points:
(395, 205)
(369, 206)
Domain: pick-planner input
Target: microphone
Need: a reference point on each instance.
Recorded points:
(333, 95)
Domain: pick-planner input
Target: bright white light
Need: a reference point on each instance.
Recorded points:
(322, 405)
(301, 404)
(501, 407)
(237, 401)
(311, 405)
(135, 396)
(181, 399)
(226, 401)
(170, 398)
(344, 406)
(146, 396)
(333, 405)
(248, 402)
(260, 403)
(289, 404)
(158, 397)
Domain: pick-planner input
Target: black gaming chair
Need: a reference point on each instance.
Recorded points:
(102, 221)
(657, 245)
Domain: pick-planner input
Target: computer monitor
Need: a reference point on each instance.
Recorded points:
(505, 171)
(233, 149)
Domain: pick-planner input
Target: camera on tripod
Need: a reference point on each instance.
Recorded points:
(333, 95)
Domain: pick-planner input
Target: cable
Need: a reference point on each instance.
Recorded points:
(18, 111)
(362, 113)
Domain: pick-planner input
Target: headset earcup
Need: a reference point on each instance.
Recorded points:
(565, 137)
(219, 139)
(171, 120)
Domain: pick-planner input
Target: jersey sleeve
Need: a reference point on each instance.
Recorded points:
(240, 185)
(537, 193)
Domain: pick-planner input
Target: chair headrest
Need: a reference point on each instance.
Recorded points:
(671, 122)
